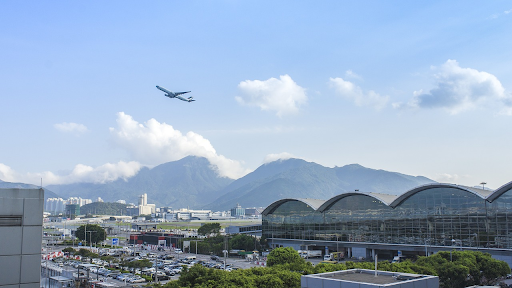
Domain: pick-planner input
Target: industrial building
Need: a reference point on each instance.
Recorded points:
(421, 221)
(21, 230)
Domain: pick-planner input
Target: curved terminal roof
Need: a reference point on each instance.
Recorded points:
(401, 198)
(313, 203)
(392, 200)
(384, 198)
(498, 192)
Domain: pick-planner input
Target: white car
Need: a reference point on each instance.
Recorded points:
(137, 279)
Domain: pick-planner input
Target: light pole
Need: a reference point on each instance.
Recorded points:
(90, 238)
(336, 232)
(451, 259)
(483, 185)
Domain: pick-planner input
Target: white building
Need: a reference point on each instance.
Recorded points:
(144, 207)
(188, 214)
(78, 200)
(21, 221)
(55, 205)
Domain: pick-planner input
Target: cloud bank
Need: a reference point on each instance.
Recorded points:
(71, 127)
(151, 143)
(282, 95)
(355, 94)
(154, 143)
(81, 173)
(460, 89)
(280, 156)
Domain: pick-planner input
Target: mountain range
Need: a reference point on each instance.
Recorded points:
(193, 182)
(47, 193)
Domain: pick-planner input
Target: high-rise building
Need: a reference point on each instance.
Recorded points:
(55, 205)
(238, 211)
(21, 229)
(144, 207)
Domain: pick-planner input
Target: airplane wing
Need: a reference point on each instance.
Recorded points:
(180, 93)
(163, 89)
(183, 99)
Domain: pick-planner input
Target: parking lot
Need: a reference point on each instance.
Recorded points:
(166, 265)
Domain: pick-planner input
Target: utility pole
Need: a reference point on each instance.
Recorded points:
(90, 238)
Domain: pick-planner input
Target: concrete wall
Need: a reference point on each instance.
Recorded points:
(21, 220)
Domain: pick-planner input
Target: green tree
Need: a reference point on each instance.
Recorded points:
(284, 255)
(243, 242)
(95, 233)
(83, 252)
(137, 264)
(69, 250)
(453, 275)
(491, 269)
(269, 281)
(209, 228)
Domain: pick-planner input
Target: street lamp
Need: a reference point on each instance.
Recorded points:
(451, 259)
(90, 237)
(483, 185)
(336, 232)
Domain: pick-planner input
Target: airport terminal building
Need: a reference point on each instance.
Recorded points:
(421, 221)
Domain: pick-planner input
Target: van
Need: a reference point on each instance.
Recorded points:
(190, 258)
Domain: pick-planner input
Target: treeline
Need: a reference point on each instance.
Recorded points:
(217, 243)
(104, 208)
(456, 270)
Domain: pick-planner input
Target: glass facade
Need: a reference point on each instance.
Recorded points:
(440, 216)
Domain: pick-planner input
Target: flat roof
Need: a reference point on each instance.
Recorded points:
(363, 277)
(368, 276)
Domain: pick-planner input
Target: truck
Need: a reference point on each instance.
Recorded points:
(310, 253)
(398, 259)
(334, 256)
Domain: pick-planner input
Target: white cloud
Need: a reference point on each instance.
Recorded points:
(351, 74)
(497, 15)
(81, 173)
(459, 89)
(274, 157)
(281, 95)
(354, 93)
(456, 179)
(154, 143)
(6, 173)
(447, 178)
(71, 127)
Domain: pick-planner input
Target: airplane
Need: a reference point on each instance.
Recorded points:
(176, 94)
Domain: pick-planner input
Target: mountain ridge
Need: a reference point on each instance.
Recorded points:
(193, 182)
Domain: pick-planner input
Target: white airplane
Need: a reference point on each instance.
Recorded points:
(176, 94)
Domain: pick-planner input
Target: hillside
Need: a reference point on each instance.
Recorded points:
(296, 178)
(187, 182)
(191, 182)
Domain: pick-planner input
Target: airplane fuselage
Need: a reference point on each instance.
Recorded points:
(170, 94)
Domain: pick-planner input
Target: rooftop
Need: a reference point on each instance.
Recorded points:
(368, 276)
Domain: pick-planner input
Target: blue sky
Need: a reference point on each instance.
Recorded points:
(417, 88)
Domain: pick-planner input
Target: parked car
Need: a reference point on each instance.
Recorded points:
(137, 279)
